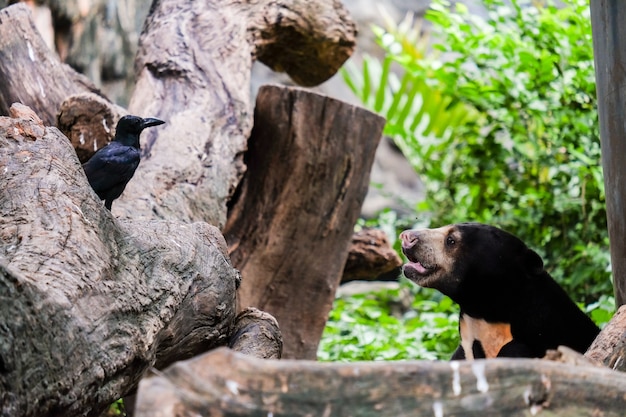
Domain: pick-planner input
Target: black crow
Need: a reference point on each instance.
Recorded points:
(110, 169)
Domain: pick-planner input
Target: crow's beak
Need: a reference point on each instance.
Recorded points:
(150, 121)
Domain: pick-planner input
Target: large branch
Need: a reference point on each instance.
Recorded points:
(228, 384)
(290, 227)
(88, 302)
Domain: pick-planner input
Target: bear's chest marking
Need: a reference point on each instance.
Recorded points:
(492, 336)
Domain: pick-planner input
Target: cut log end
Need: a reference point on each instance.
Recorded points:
(309, 41)
(89, 122)
(256, 333)
(370, 256)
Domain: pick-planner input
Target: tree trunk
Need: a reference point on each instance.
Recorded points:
(90, 302)
(230, 384)
(289, 227)
(609, 42)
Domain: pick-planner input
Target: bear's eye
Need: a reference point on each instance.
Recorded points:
(450, 241)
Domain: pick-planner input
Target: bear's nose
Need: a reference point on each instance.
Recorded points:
(409, 238)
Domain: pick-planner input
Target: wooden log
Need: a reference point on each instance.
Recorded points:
(89, 122)
(322, 31)
(289, 228)
(609, 348)
(29, 72)
(570, 356)
(88, 302)
(193, 71)
(229, 384)
(256, 333)
(370, 256)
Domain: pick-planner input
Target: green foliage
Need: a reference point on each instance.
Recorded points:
(116, 409)
(500, 121)
(602, 310)
(361, 327)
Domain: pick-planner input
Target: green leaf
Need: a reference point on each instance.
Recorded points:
(384, 80)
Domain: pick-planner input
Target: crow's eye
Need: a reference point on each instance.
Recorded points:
(450, 241)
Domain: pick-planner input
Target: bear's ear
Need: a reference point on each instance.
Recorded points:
(533, 262)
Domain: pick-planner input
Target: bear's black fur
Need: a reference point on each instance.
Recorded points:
(510, 306)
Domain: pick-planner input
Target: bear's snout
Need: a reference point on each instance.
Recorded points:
(409, 238)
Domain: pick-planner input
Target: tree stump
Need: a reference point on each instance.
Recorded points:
(90, 302)
(228, 384)
(290, 225)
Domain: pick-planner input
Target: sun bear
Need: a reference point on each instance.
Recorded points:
(510, 306)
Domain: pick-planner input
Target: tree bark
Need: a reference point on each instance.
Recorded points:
(90, 302)
(609, 40)
(193, 71)
(29, 72)
(228, 384)
(609, 348)
(289, 227)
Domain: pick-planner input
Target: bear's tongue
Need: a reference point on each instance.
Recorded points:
(418, 267)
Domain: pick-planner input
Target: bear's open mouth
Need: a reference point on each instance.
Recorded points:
(419, 266)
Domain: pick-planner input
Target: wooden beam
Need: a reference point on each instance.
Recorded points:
(609, 44)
